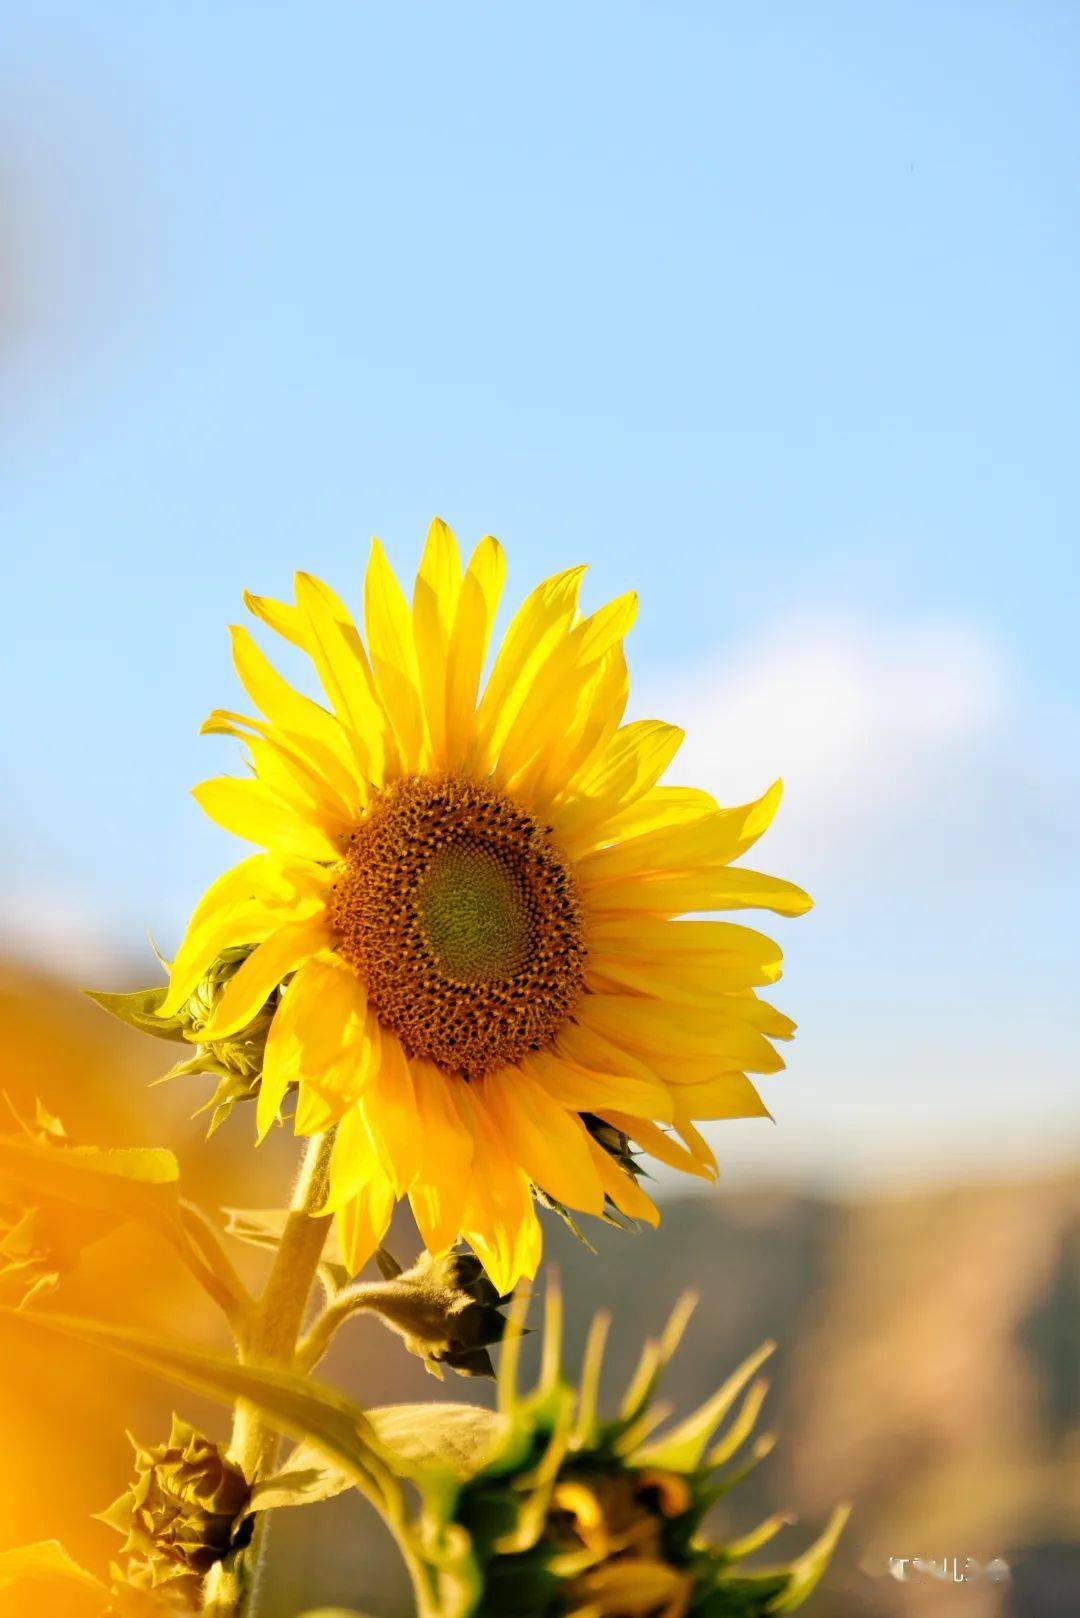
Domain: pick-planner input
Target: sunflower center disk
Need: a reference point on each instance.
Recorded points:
(463, 922)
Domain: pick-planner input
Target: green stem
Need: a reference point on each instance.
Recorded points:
(270, 1339)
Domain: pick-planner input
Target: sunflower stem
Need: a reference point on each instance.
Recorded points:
(232, 1591)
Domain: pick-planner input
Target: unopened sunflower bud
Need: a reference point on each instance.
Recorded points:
(236, 1062)
(185, 1510)
(445, 1310)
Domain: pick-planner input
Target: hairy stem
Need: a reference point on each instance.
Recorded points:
(348, 1302)
(270, 1338)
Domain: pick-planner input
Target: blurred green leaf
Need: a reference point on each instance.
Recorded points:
(46, 1560)
(135, 1182)
(454, 1438)
(297, 1406)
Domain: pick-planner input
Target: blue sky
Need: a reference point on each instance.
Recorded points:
(770, 313)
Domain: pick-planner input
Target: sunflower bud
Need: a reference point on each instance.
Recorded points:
(445, 1310)
(236, 1062)
(573, 1515)
(185, 1511)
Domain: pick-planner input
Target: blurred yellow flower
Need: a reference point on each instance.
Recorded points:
(472, 898)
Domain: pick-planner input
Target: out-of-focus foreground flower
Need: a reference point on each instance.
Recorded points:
(463, 942)
(575, 1516)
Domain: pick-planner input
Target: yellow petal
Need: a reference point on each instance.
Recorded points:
(687, 981)
(437, 1196)
(661, 806)
(342, 663)
(549, 710)
(549, 1142)
(601, 710)
(583, 1046)
(223, 911)
(324, 1038)
(662, 1032)
(622, 1188)
(499, 1222)
(393, 654)
(728, 1095)
(712, 839)
(283, 618)
(435, 599)
(258, 977)
(728, 888)
(696, 1144)
(388, 1107)
(629, 766)
(353, 1161)
(680, 943)
(363, 1222)
(477, 606)
(657, 1143)
(585, 1091)
(543, 619)
(318, 734)
(290, 763)
(247, 922)
(296, 783)
(249, 809)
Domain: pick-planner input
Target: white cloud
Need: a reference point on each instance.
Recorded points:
(896, 741)
(61, 933)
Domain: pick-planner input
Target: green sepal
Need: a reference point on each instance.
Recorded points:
(806, 1571)
(139, 1010)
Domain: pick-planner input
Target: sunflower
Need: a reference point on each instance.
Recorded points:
(568, 1514)
(469, 912)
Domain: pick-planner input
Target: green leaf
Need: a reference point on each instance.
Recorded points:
(262, 1227)
(304, 1479)
(259, 1227)
(45, 1560)
(135, 1183)
(297, 1406)
(458, 1438)
(454, 1438)
(138, 1011)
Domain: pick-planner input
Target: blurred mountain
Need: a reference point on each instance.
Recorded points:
(928, 1367)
